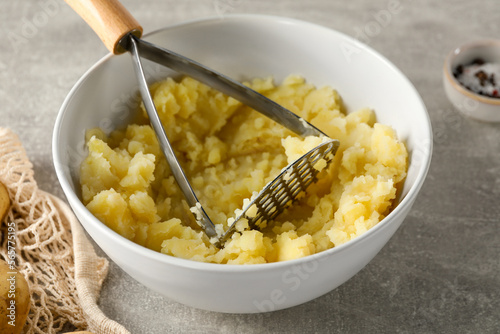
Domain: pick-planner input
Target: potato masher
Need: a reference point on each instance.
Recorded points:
(120, 33)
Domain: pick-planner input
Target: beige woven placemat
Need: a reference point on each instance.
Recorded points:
(53, 253)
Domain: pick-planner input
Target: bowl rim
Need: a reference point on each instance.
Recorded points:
(448, 71)
(73, 199)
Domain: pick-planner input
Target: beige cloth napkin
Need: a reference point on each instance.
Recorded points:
(63, 271)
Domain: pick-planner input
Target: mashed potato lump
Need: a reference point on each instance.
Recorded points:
(228, 151)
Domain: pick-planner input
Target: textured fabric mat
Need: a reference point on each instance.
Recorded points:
(53, 253)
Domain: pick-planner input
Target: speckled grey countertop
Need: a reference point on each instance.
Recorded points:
(440, 273)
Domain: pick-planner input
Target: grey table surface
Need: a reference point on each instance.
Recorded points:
(440, 273)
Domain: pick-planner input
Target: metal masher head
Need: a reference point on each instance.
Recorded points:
(285, 189)
(120, 32)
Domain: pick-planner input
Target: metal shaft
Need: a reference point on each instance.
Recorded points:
(165, 145)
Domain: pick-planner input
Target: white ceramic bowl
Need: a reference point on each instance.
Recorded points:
(243, 47)
(475, 106)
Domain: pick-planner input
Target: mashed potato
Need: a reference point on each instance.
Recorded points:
(229, 151)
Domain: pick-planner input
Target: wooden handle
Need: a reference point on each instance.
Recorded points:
(109, 19)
